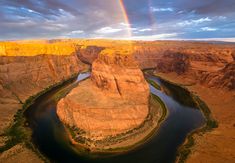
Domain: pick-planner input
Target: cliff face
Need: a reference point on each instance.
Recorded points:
(189, 60)
(224, 78)
(197, 62)
(27, 67)
(114, 101)
(27, 75)
(173, 62)
(35, 48)
(25, 72)
(118, 73)
(88, 54)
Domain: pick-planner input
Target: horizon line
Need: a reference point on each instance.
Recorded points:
(232, 39)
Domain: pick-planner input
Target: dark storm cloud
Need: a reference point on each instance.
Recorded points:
(183, 19)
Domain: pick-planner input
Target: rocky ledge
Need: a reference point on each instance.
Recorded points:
(113, 102)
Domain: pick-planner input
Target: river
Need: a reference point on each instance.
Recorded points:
(50, 138)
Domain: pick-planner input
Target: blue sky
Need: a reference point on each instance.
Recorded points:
(148, 19)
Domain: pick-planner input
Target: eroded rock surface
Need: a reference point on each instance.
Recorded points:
(114, 101)
(27, 68)
(224, 78)
(88, 54)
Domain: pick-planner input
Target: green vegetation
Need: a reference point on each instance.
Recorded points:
(78, 134)
(18, 132)
(163, 106)
(210, 121)
(189, 99)
(210, 124)
(181, 94)
(154, 84)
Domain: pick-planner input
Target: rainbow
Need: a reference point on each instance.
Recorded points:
(125, 16)
(150, 17)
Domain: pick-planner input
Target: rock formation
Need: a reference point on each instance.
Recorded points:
(114, 101)
(117, 72)
(197, 62)
(26, 69)
(173, 62)
(36, 48)
(88, 54)
(224, 78)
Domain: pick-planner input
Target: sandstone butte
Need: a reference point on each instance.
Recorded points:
(114, 101)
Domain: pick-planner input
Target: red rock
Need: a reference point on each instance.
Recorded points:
(114, 101)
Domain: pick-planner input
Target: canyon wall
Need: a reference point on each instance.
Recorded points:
(34, 48)
(26, 69)
(224, 78)
(88, 54)
(190, 60)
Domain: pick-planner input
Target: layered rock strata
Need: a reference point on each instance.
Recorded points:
(113, 102)
(224, 78)
(27, 68)
(88, 54)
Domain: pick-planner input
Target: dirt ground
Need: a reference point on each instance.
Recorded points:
(20, 154)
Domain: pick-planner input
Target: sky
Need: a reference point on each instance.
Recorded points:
(118, 19)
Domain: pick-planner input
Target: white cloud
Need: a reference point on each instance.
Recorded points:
(133, 29)
(64, 16)
(77, 32)
(194, 21)
(29, 10)
(156, 37)
(74, 33)
(153, 9)
(222, 17)
(145, 29)
(107, 30)
(124, 24)
(180, 12)
(231, 39)
(208, 29)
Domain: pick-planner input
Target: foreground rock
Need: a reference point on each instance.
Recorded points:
(19, 153)
(113, 102)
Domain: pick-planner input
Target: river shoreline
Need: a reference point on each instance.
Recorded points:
(19, 132)
(185, 149)
(120, 150)
(130, 140)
